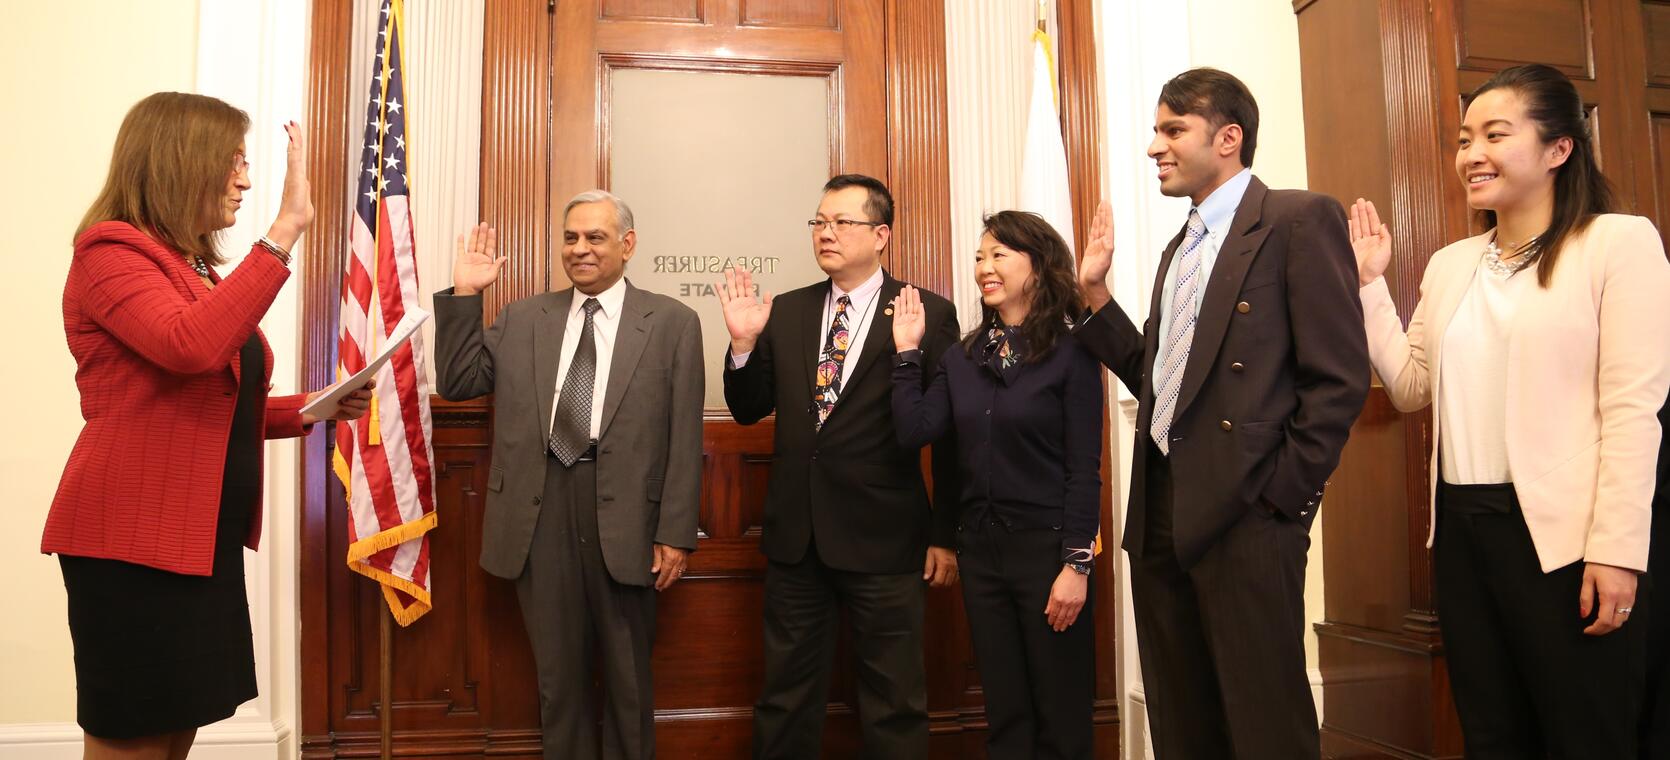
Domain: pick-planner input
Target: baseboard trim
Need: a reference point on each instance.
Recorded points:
(232, 739)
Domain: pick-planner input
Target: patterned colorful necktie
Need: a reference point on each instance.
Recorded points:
(1169, 377)
(834, 355)
(571, 428)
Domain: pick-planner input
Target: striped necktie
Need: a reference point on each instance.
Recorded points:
(1169, 377)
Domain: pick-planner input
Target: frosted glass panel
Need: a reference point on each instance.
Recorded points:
(721, 170)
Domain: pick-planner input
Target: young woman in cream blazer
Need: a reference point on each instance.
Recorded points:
(1543, 346)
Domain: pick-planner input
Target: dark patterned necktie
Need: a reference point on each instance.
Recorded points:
(1001, 348)
(834, 355)
(571, 428)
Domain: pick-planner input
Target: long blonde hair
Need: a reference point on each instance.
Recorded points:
(172, 160)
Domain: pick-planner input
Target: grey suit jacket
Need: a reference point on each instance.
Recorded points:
(649, 451)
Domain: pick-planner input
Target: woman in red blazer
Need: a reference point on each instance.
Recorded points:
(163, 486)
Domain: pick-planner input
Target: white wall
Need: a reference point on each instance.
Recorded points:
(69, 70)
(72, 71)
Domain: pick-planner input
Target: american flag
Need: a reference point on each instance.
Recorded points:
(384, 459)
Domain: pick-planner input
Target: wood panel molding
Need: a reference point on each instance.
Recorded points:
(686, 11)
(918, 159)
(331, 27)
(1495, 34)
(820, 14)
(1081, 112)
(516, 147)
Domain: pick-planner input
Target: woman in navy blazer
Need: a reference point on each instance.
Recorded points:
(1024, 400)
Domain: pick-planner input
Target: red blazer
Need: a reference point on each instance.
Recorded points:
(156, 357)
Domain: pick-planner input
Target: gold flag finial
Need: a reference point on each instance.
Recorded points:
(1043, 14)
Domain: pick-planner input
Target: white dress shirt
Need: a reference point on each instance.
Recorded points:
(604, 324)
(1217, 212)
(860, 318)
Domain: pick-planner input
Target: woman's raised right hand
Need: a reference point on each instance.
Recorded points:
(295, 208)
(1371, 241)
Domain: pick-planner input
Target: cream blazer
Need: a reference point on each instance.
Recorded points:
(1588, 368)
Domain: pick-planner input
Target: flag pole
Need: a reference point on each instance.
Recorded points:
(386, 684)
(1043, 14)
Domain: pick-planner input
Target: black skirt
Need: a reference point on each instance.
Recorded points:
(158, 652)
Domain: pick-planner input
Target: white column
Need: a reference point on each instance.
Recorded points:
(1137, 58)
(254, 56)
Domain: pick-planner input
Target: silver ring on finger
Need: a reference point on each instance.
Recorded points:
(1622, 610)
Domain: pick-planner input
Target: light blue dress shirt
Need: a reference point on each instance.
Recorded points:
(1217, 212)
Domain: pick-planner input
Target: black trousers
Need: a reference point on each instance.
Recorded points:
(1039, 685)
(577, 615)
(1222, 643)
(1528, 683)
(802, 608)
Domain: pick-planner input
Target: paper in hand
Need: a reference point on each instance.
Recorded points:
(326, 404)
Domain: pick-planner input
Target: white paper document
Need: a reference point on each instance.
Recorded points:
(327, 403)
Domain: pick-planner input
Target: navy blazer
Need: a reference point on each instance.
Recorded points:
(1029, 438)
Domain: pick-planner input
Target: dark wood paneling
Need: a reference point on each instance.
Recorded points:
(516, 192)
(1661, 167)
(1081, 113)
(1386, 691)
(652, 10)
(320, 262)
(1498, 33)
(464, 681)
(918, 168)
(824, 14)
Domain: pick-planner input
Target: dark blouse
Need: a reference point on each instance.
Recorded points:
(1029, 437)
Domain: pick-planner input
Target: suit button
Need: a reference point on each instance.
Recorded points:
(1237, 366)
(536, 501)
(814, 456)
(1227, 425)
(988, 411)
(1243, 307)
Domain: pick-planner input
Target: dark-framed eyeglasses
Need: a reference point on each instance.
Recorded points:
(841, 225)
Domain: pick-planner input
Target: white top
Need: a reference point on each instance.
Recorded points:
(860, 315)
(1472, 402)
(604, 324)
(1217, 212)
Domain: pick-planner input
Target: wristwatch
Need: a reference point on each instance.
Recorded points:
(1082, 568)
(912, 356)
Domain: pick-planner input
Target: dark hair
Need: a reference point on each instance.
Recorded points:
(880, 204)
(1581, 192)
(1220, 99)
(1056, 301)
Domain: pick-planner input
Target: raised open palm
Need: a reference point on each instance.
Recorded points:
(745, 313)
(1098, 258)
(477, 264)
(1371, 241)
(909, 323)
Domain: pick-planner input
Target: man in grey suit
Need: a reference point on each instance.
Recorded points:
(596, 479)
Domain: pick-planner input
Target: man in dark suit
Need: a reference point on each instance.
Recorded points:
(847, 519)
(1249, 372)
(597, 454)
